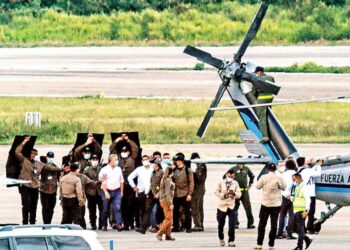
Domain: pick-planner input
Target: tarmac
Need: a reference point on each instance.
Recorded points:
(335, 233)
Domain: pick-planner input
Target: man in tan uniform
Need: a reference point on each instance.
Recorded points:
(72, 196)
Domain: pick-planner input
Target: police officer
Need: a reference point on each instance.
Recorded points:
(93, 192)
(184, 184)
(242, 173)
(48, 187)
(30, 171)
(83, 153)
(126, 160)
(301, 207)
(85, 183)
(263, 97)
(199, 176)
(71, 194)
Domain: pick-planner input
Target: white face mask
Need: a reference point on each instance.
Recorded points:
(145, 163)
(124, 154)
(229, 180)
(94, 163)
(37, 158)
(50, 160)
(116, 163)
(87, 156)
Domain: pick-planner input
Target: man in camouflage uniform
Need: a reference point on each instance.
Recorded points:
(93, 193)
(127, 159)
(82, 154)
(30, 171)
(48, 187)
(242, 173)
(199, 176)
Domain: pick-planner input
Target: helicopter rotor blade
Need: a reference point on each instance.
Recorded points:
(253, 30)
(204, 57)
(260, 83)
(202, 129)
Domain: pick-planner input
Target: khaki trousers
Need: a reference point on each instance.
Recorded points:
(168, 219)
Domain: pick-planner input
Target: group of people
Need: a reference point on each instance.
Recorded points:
(160, 194)
(288, 199)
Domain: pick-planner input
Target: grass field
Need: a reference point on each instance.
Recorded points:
(163, 121)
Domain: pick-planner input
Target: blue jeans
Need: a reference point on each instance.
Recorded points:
(116, 201)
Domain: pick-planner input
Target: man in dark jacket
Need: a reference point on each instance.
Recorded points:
(93, 193)
(48, 187)
(82, 154)
(199, 176)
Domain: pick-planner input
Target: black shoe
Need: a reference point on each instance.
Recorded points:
(297, 248)
(189, 230)
(132, 227)
(308, 242)
(114, 226)
(291, 237)
(120, 228)
(93, 227)
(279, 237)
(104, 229)
(141, 230)
(251, 227)
(237, 227)
(175, 230)
(126, 229)
(99, 227)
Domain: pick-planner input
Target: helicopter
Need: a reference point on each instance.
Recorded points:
(332, 187)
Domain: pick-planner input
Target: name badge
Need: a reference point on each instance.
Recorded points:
(49, 177)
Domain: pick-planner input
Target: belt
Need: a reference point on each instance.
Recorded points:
(244, 189)
(112, 190)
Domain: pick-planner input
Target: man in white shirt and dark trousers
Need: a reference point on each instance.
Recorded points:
(227, 191)
(309, 172)
(272, 186)
(287, 204)
(143, 175)
(113, 188)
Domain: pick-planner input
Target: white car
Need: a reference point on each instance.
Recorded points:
(47, 237)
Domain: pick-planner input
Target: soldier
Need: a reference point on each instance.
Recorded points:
(48, 187)
(263, 97)
(242, 173)
(30, 171)
(82, 154)
(93, 193)
(71, 195)
(183, 179)
(199, 176)
(85, 183)
(126, 159)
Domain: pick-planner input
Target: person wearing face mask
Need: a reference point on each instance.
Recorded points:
(199, 176)
(272, 186)
(166, 161)
(82, 154)
(93, 193)
(301, 207)
(143, 175)
(30, 171)
(50, 174)
(227, 191)
(127, 157)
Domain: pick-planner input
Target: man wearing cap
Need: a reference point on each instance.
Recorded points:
(184, 184)
(199, 176)
(71, 195)
(272, 186)
(30, 171)
(126, 159)
(263, 97)
(143, 175)
(93, 193)
(48, 187)
(242, 173)
(82, 154)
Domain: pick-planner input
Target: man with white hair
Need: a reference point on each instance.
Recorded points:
(113, 188)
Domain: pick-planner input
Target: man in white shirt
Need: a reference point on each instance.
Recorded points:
(113, 188)
(309, 172)
(143, 175)
(287, 204)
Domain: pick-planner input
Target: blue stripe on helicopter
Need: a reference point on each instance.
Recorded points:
(251, 125)
(332, 188)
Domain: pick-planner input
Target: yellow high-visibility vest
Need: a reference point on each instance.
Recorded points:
(299, 201)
